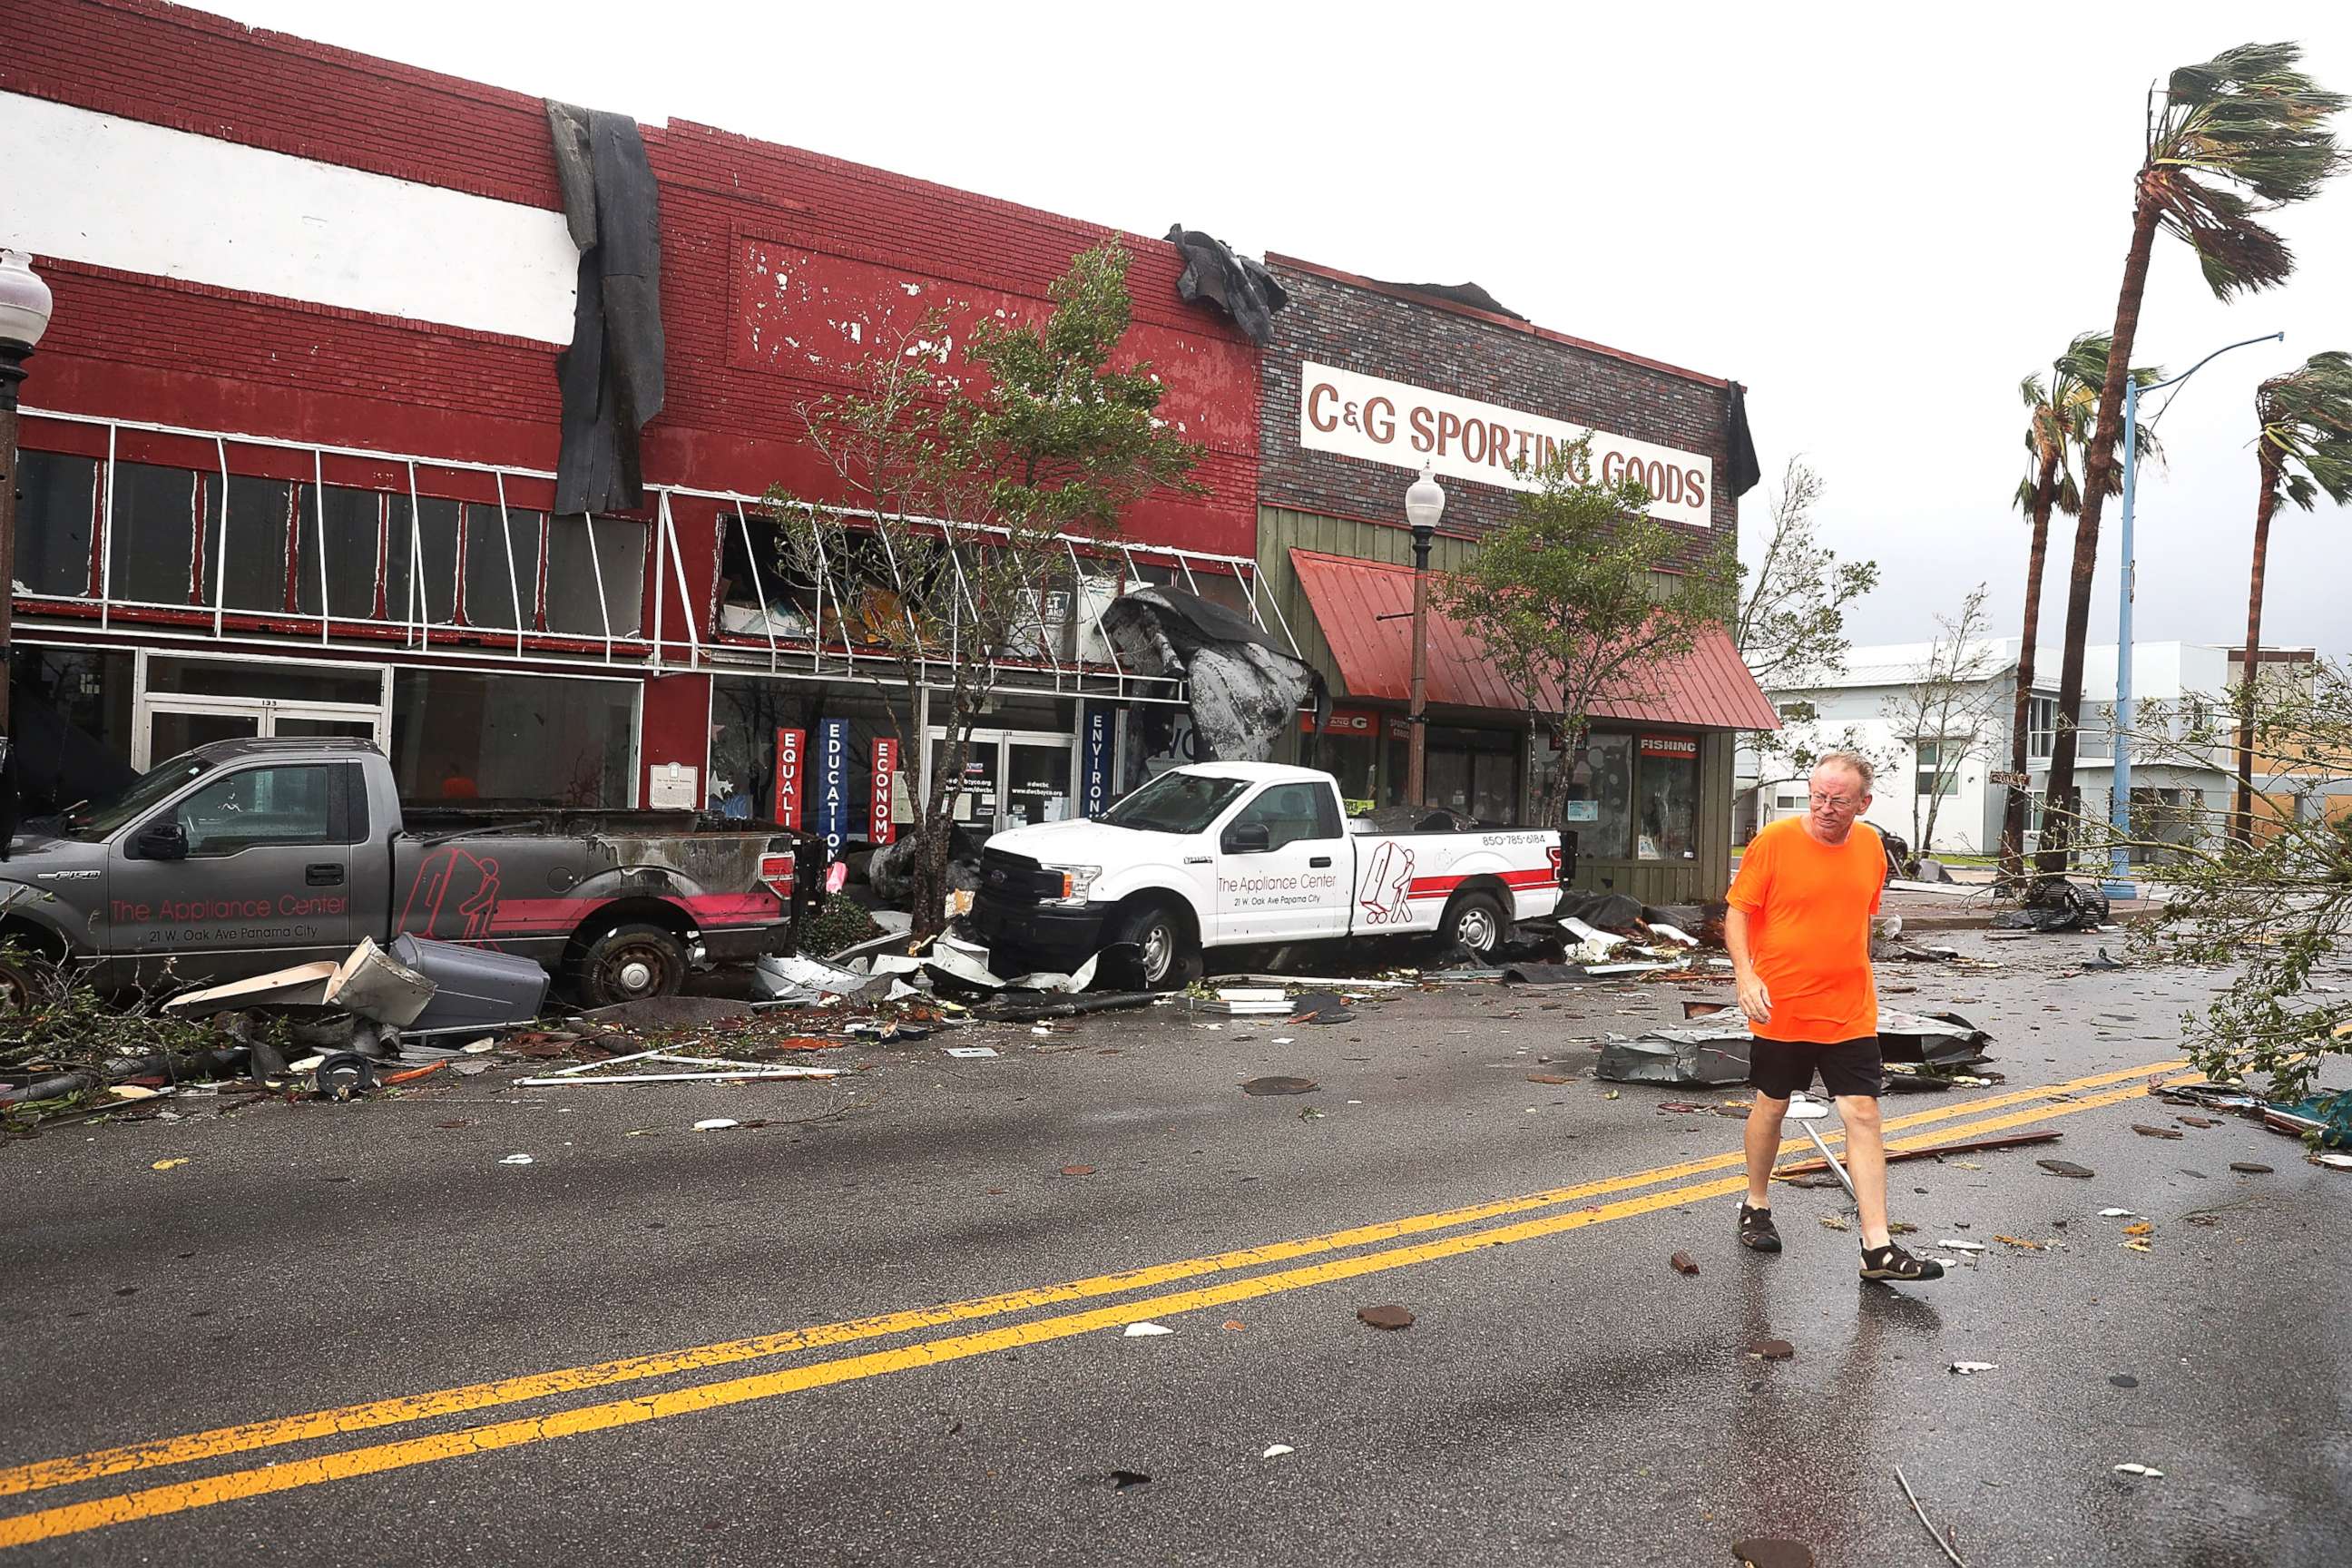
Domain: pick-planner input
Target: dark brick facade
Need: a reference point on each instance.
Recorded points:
(1356, 324)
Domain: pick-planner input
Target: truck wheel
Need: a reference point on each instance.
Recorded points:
(1474, 920)
(631, 962)
(1171, 957)
(26, 982)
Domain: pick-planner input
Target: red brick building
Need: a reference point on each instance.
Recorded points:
(291, 442)
(294, 283)
(1367, 381)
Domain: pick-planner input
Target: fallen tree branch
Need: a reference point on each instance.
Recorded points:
(1974, 1145)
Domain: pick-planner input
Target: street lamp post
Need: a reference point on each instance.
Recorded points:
(2118, 884)
(1424, 503)
(24, 316)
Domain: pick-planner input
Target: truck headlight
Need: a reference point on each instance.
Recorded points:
(1077, 881)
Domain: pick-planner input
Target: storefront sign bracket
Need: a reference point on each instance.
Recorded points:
(685, 594)
(767, 625)
(106, 524)
(603, 610)
(318, 500)
(514, 594)
(418, 606)
(220, 565)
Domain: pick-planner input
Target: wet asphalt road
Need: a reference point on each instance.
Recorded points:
(1564, 1396)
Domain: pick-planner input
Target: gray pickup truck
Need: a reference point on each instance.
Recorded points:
(243, 856)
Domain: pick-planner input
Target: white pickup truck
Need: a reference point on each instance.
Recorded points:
(1246, 855)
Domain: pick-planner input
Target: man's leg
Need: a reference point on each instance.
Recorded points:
(1764, 1117)
(1865, 1162)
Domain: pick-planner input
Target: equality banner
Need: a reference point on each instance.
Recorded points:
(792, 775)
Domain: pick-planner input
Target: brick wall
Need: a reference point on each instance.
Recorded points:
(1357, 325)
(149, 348)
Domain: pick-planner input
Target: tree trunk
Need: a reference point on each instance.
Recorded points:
(2016, 809)
(2098, 470)
(2243, 814)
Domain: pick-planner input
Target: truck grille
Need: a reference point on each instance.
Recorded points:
(1007, 878)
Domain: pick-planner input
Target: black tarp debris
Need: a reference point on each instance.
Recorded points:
(1715, 1049)
(1742, 471)
(2055, 904)
(1245, 688)
(1613, 913)
(611, 377)
(1242, 288)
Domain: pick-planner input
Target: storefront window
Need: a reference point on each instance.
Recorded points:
(355, 535)
(1476, 772)
(578, 549)
(151, 534)
(253, 576)
(459, 735)
(53, 523)
(500, 588)
(430, 551)
(69, 721)
(1349, 749)
(1667, 793)
(1599, 796)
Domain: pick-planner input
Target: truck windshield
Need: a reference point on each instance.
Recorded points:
(1176, 803)
(96, 819)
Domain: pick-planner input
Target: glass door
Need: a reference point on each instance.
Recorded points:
(171, 730)
(1037, 774)
(185, 702)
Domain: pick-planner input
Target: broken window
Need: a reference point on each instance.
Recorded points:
(753, 572)
(353, 536)
(54, 517)
(151, 534)
(497, 599)
(618, 552)
(252, 575)
(429, 550)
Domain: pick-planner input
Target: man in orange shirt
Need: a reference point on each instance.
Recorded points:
(1799, 931)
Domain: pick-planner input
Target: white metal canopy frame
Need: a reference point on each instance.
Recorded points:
(676, 643)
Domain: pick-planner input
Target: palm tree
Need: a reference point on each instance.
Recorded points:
(2305, 452)
(2058, 424)
(2238, 136)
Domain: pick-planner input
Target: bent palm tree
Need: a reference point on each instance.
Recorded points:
(2240, 135)
(2058, 424)
(2305, 450)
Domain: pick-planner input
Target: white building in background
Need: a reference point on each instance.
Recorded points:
(1873, 704)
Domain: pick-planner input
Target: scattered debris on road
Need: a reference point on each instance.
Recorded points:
(1684, 1263)
(1391, 1317)
(1768, 1551)
(2067, 1168)
(1280, 1085)
(1146, 1330)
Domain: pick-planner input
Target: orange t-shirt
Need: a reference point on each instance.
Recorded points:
(1809, 906)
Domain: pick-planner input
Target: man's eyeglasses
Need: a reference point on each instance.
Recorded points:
(1835, 802)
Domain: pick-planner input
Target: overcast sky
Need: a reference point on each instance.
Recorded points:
(1879, 223)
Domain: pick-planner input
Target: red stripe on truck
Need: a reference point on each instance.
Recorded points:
(1440, 887)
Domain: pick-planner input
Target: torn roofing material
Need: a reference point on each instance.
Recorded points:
(1466, 294)
(1242, 288)
(611, 377)
(1244, 688)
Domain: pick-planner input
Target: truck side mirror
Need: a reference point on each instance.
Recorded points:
(1248, 839)
(164, 840)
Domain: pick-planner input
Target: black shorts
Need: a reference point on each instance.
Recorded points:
(1779, 1067)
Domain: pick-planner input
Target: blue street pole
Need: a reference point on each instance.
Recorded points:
(2118, 884)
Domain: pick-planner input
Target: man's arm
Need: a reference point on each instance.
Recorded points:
(1754, 999)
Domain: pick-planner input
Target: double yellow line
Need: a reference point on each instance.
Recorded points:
(2035, 1105)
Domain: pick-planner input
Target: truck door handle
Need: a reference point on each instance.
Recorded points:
(1319, 862)
(323, 874)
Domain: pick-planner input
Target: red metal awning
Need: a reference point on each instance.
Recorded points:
(1706, 688)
